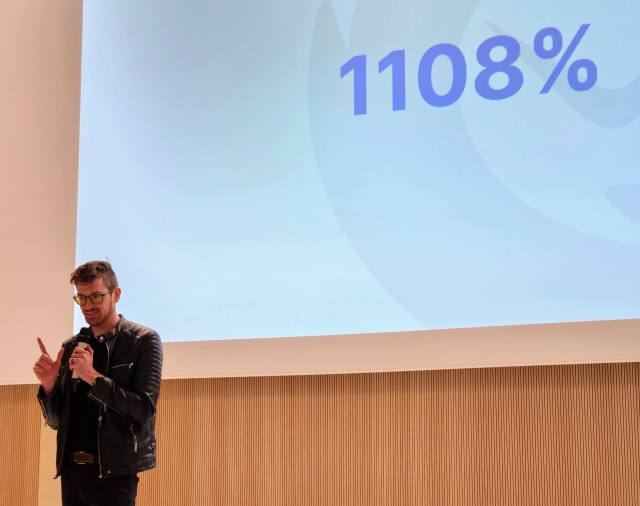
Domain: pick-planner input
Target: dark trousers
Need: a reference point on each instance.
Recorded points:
(82, 487)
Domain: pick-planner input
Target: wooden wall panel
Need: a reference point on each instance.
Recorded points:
(553, 435)
(20, 422)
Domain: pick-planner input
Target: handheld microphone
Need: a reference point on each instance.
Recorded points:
(84, 347)
(82, 343)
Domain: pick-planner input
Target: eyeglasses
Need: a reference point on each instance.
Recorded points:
(95, 298)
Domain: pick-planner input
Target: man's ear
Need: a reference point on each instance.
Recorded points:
(116, 294)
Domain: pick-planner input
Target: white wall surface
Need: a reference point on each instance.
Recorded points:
(40, 50)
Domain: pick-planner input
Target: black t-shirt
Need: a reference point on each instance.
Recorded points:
(84, 411)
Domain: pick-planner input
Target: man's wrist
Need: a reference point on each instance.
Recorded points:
(94, 376)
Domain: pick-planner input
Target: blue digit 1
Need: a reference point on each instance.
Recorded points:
(395, 60)
(459, 67)
(359, 66)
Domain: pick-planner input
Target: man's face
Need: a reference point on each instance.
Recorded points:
(97, 314)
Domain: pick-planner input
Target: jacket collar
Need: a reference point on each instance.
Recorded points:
(107, 336)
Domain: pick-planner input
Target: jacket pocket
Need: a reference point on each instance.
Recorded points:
(121, 373)
(129, 365)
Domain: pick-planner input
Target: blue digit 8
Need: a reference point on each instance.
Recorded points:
(505, 66)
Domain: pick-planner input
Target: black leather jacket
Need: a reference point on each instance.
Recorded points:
(127, 393)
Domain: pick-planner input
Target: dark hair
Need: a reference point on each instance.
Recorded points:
(86, 273)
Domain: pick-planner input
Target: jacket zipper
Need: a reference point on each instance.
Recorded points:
(100, 419)
(99, 425)
(135, 439)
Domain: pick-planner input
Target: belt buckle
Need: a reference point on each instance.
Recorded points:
(79, 454)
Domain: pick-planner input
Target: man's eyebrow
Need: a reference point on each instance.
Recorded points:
(93, 293)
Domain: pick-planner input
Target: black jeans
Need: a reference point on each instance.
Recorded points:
(82, 487)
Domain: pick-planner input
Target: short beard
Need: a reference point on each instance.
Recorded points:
(102, 320)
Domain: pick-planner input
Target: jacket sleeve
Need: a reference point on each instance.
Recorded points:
(50, 406)
(139, 401)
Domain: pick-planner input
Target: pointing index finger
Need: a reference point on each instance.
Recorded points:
(42, 348)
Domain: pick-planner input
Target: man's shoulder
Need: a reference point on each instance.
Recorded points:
(137, 331)
(70, 341)
(141, 338)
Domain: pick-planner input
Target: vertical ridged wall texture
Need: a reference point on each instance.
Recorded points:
(20, 422)
(552, 435)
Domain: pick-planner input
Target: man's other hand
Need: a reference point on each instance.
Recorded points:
(47, 369)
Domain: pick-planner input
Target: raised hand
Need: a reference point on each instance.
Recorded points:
(47, 369)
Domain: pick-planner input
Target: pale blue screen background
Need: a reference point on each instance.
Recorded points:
(225, 175)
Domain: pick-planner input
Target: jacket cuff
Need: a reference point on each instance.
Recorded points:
(45, 402)
(101, 389)
(44, 397)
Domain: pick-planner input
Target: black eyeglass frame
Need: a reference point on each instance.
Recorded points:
(90, 297)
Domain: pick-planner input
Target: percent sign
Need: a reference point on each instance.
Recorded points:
(574, 68)
(396, 61)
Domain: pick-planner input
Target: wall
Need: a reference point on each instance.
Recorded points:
(40, 53)
(40, 50)
(554, 435)
(20, 419)
(467, 348)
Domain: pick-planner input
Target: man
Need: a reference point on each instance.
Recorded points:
(102, 399)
